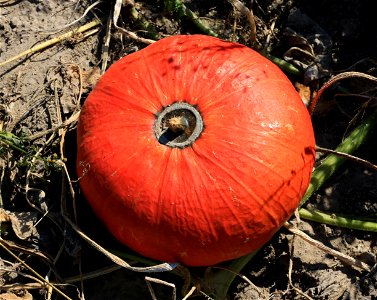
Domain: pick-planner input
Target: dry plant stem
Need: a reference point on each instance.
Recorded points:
(342, 257)
(148, 280)
(91, 275)
(23, 286)
(348, 156)
(63, 193)
(3, 163)
(27, 179)
(15, 269)
(130, 34)
(30, 105)
(157, 268)
(53, 41)
(88, 9)
(30, 251)
(290, 267)
(78, 99)
(271, 32)
(70, 121)
(58, 113)
(106, 44)
(240, 7)
(28, 286)
(206, 296)
(336, 78)
(57, 257)
(1, 183)
(189, 294)
(33, 271)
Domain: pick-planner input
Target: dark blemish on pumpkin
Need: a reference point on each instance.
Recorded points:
(309, 150)
(170, 60)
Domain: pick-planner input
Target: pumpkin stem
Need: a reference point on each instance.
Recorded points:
(178, 125)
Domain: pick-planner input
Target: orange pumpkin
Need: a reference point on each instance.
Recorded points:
(194, 150)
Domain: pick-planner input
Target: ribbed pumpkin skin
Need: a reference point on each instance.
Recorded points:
(220, 198)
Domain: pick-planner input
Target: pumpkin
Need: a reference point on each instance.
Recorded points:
(194, 150)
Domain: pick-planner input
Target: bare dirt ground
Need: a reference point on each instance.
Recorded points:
(40, 91)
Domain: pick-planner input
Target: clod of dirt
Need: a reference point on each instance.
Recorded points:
(22, 223)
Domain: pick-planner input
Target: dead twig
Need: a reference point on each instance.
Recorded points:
(335, 79)
(342, 257)
(148, 280)
(88, 9)
(241, 8)
(94, 274)
(69, 122)
(53, 41)
(189, 294)
(12, 245)
(33, 271)
(106, 44)
(290, 267)
(348, 156)
(116, 13)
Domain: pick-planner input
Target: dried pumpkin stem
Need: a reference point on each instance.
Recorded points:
(178, 124)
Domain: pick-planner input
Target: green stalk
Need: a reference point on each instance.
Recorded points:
(282, 64)
(178, 8)
(339, 221)
(12, 141)
(332, 162)
(143, 24)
